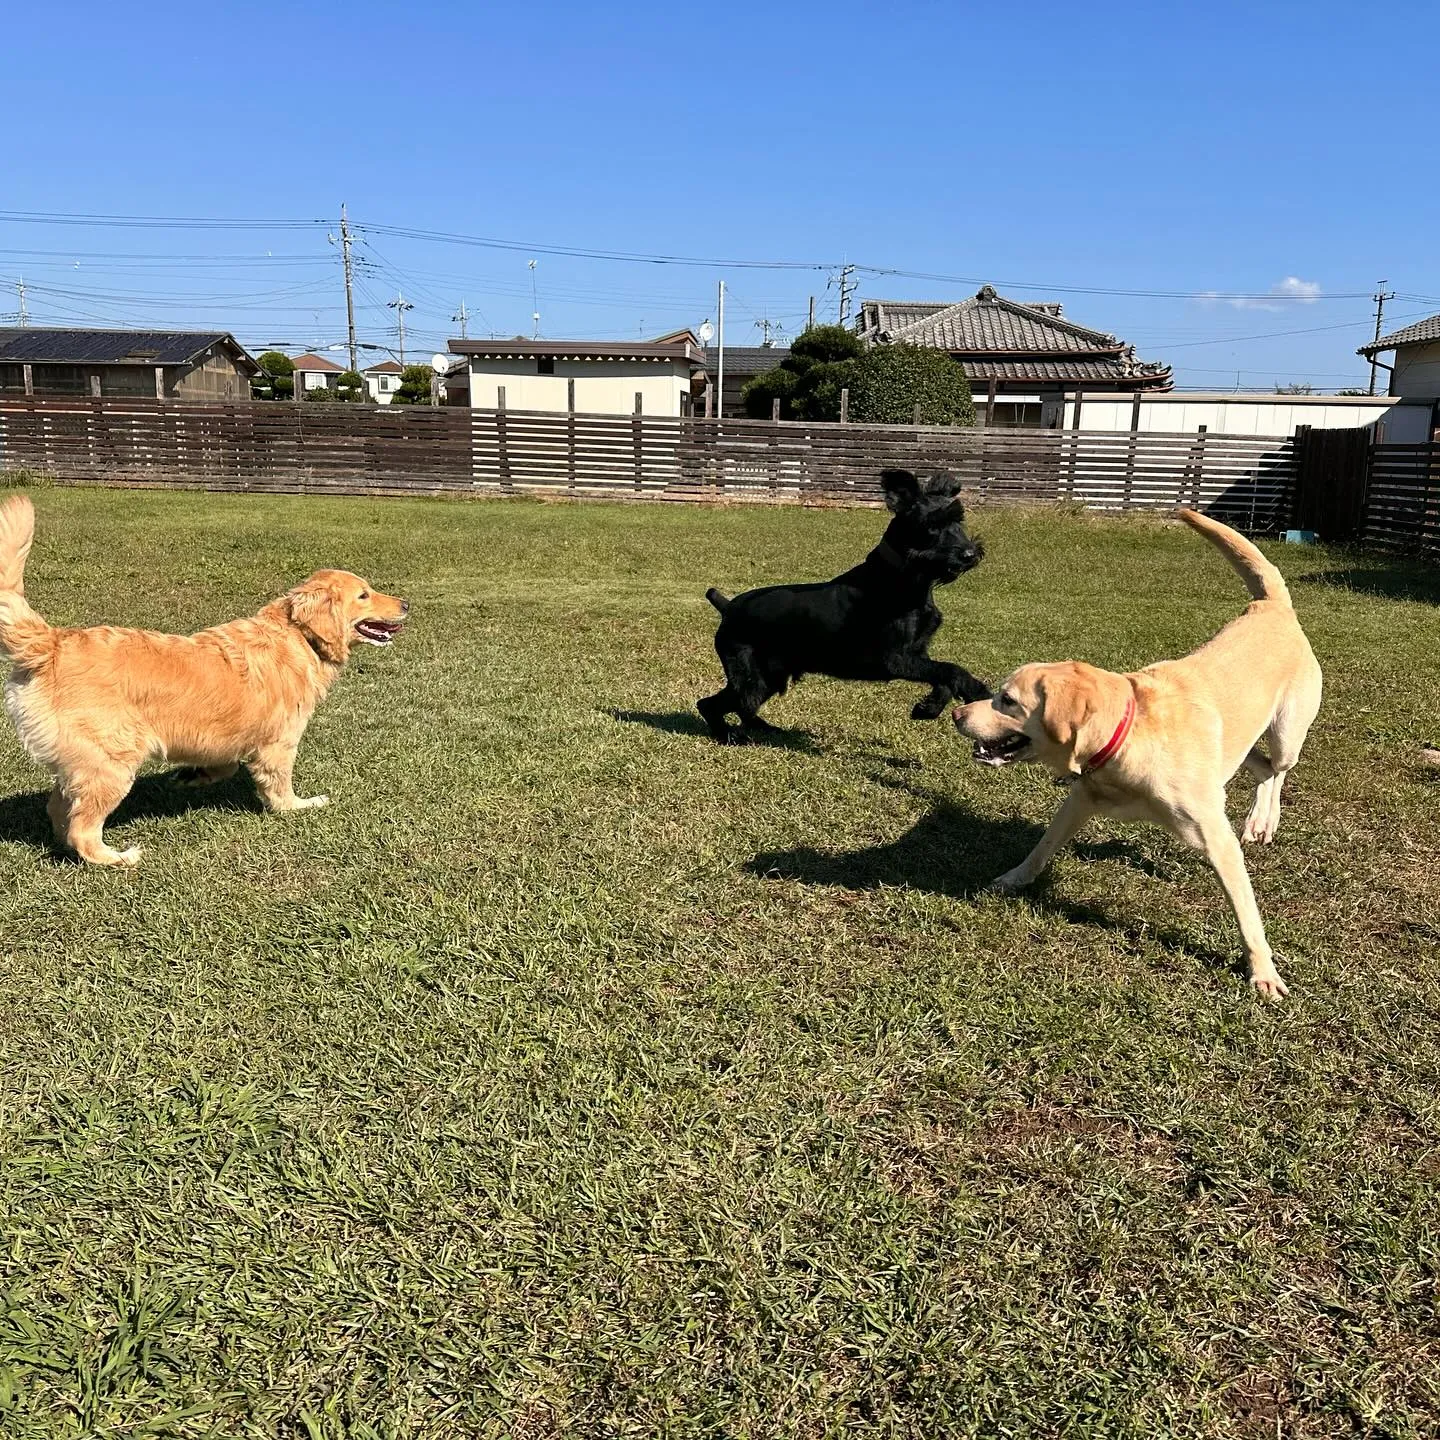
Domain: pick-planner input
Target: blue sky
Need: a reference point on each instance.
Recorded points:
(1281, 152)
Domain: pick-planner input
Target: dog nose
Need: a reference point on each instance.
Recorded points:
(958, 714)
(404, 607)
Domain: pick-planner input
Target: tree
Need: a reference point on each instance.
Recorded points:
(1296, 387)
(320, 394)
(818, 366)
(1359, 391)
(414, 388)
(890, 381)
(350, 387)
(276, 380)
(886, 382)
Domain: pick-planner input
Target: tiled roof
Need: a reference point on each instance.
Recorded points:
(318, 362)
(889, 315)
(1112, 369)
(680, 346)
(747, 359)
(1421, 332)
(989, 322)
(385, 367)
(39, 345)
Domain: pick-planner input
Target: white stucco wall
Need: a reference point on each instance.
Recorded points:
(602, 387)
(1268, 414)
(1417, 372)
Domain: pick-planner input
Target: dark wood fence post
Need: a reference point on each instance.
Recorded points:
(845, 405)
(502, 443)
(1130, 451)
(1074, 444)
(990, 390)
(1196, 467)
(638, 440)
(570, 434)
(1301, 483)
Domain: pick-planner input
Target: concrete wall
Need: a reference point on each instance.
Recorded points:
(602, 387)
(1267, 414)
(1417, 372)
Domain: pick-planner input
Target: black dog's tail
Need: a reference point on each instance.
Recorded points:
(719, 601)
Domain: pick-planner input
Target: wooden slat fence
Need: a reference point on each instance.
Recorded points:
(1402, 510)
(375, 450)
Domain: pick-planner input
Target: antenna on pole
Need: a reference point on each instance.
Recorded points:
(534, 304)
(1380, 296)
(400, 305)
(461, 316)
(24, 311)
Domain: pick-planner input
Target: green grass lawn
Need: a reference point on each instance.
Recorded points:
(571, 1075)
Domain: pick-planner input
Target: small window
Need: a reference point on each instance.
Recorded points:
(545, 365)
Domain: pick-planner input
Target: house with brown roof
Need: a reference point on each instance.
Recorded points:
(1022, 359)
(597, 377)
(383, 380)
(315, 372)
(1415, 375)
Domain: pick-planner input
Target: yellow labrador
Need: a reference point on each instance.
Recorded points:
(1161, 744)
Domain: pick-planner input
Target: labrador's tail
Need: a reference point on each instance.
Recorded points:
(1261, 578)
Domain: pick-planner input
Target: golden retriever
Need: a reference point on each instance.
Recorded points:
(92, 705)
(1161, 744)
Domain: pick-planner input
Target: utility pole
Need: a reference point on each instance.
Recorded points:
(534, 303)
(400, 305)
(846, 283)
(24, 311)
(811, 324)
(765, 325)
(720, 367)
(462, 318)
(349, 281)
(1380, 296)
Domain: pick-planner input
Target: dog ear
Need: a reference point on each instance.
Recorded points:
(1068, 699)
(315, 610)
(942, 483)
(901, 488)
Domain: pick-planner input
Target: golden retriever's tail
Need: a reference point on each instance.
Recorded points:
(24, 636)
(1261, 578)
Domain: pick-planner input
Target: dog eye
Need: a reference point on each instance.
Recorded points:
(364, 595)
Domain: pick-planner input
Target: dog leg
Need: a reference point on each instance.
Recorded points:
(713, 710)
(1076, 810)
(272, 768)
(749, 688)
(1210, 833)
(1285, 737)
(1256, 821)
(195, 775)
(58, 809)
(946, 681)
(91, 800)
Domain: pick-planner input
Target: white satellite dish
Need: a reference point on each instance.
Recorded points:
(706, 332)
(440, 363)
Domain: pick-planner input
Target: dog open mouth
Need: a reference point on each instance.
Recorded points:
(377, 632)
(1001, 752)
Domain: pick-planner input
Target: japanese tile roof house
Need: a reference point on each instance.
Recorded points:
(1021, 359)
(156, 364)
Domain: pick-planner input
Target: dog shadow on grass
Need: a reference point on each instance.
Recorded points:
(1401, 579)
(24, 821)
(687, 722)
(953, 851)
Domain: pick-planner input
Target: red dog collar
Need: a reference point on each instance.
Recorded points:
(1106, 752)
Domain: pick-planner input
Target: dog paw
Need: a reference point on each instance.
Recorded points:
(1008, 883)
(927, 709)
(1269, 986)
(129, 858)
(315, 802)
(1258, 832)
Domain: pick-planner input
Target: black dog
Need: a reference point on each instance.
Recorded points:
(874, 622)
